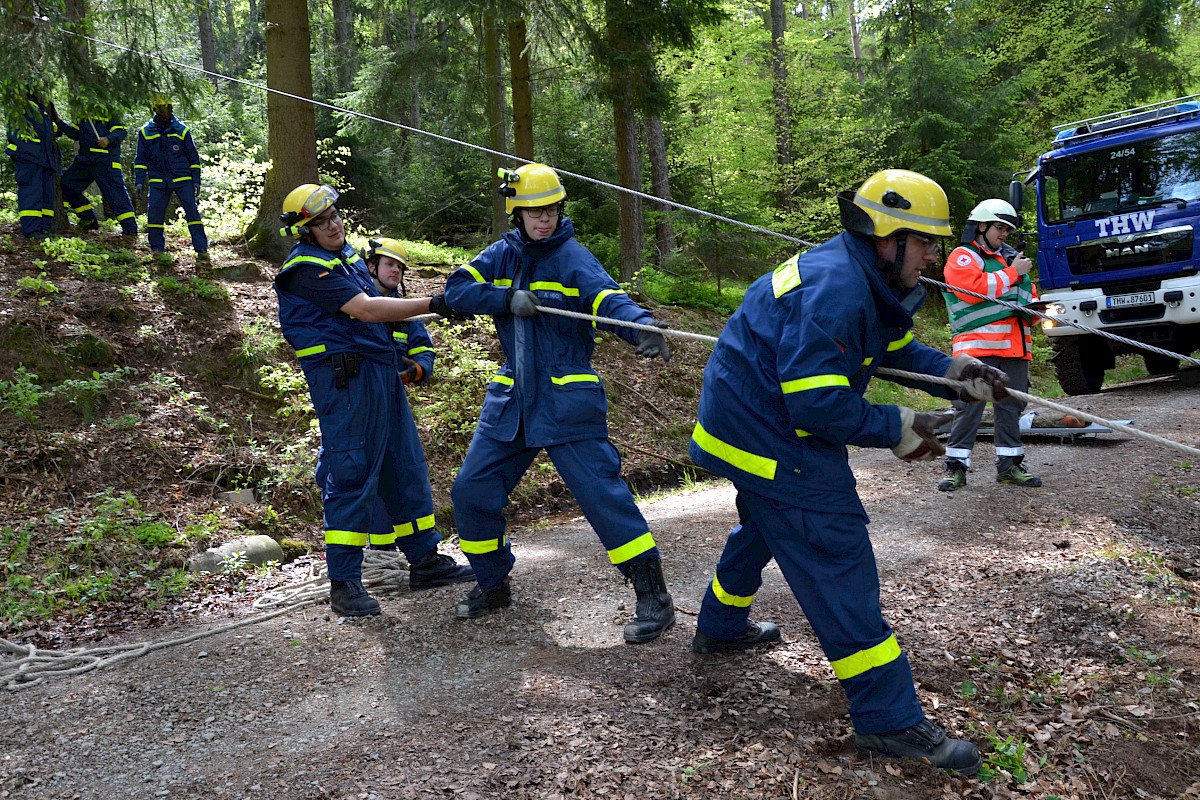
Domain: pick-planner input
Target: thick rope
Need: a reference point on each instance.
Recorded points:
(382, 570)
(957, 385)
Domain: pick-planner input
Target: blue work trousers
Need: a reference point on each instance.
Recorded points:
(156, 215)
(371, 470)
(829, 564)
(111, 183)
(35, 198)
(591, 469)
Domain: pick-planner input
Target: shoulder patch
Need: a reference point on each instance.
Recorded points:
(964, 260)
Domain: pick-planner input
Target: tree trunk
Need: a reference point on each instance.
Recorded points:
(522, 93)
(291, 124)
(208, 42)
(629, 176)
(660, 180)
(855, 44)
(783, 113)
(494, 64)
(80, 50)
(343, 39)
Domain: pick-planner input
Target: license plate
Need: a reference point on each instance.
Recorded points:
(1122, 300)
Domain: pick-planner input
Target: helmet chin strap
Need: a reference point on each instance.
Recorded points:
(891, 269)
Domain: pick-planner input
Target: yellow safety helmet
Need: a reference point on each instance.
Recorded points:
(896, 200)
(158, 101)
(530, 186)
(304, 202)
(386, 247)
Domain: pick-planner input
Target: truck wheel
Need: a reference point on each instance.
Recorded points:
(1157, 364)
(1079, 370)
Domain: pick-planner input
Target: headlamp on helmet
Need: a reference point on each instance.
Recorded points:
(303, 203)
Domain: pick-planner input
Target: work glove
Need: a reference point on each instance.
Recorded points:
(439, 306)
(522, 303)
(986, 383)
(652, 344)
(103, 141)
(139, 195)
(412, 372)
(918, 438)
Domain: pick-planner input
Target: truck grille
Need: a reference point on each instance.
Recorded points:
(1152, 248)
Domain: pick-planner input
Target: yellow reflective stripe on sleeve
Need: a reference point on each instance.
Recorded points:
(745, 461)
(632, 549)
(786, 276)
(868, 361)
(502, 282)
(730, 599)
(118, 128)
(416, 350)
(814, 382)
(140, 166)
(476, 548)
(184, 178)
(98, 149)
(802, 433)
(116, 165)
(901, 342)
(474, 273)
(885, 652)
(553, 286)
(193, 166)
(346, 537)
(507, 381)
(310, 351)
(156, 180)
(582, 377)
(600, 299)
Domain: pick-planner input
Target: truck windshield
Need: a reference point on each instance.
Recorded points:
(1128, 176)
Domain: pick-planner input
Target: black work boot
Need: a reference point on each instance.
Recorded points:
(956, 477)
(925, 740)
(350, 599)
(655, 610)
(437, 570)
(756, 633)
(480, 601)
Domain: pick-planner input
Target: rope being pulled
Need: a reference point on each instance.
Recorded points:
(957, 385)
(383, 571)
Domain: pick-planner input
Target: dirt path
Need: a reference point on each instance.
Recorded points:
(1063, 620)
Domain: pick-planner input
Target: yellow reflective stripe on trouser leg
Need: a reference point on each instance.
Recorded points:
(481, 547)
(885, 652)
(730, 599)
(408, 528)
(346, 537)
(632, 549)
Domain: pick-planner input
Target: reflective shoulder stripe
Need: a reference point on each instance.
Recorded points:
(306, 259)
(815, 382)
(310, 351)
(600, 299)
(900, 343)
(885, 652)
(745, 461)
(581, 377)
(504, 379)
(786, 276)
(554, 286)
(738, 601)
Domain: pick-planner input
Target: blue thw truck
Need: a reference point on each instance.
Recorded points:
(1118, 209)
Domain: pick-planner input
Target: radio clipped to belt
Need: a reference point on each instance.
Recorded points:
(345, 367)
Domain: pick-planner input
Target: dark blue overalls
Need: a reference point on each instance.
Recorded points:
(101, 165)
(36, 161)
(168, 162)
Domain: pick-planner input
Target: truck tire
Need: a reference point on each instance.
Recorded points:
(1157, 364)
(1079, 370)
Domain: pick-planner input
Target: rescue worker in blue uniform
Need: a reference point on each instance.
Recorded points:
(547, 396)
(782, 398)
(332, 315)
(387, 261)
(31, 132)
(99, 134)
(167, 163)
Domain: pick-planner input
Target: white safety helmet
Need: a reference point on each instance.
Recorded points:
(992, 210)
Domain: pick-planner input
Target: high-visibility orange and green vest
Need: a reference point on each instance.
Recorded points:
(982, 327)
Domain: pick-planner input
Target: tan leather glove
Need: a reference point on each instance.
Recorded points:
(986, 383)
(918, 436)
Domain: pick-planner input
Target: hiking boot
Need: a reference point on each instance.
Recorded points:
(437, 570)
(203, 258)
(481, 601)
(350, 599)
(1018, 477)
(655, 612)
(756, 633)
(957, 479)
(88, 225)
(926, 741)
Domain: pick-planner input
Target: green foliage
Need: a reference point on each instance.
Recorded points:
(94, 261)
(679, 288)
(193, 287)
(21, 395)
(89, 395)
(448, 409)
(288, 385)
(1006, 759)
(260, 346)
(39, 286)
(233, 172)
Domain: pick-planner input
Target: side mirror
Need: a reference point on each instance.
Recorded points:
(1016, 194)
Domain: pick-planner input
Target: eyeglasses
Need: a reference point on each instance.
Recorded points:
(324, 223)
(932, 246)
(545, 212)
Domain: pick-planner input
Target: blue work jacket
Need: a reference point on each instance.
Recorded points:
(783, 390)
(166, 155)
(33, 141)
(314, 333)
(88, 134)
(547, 382)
